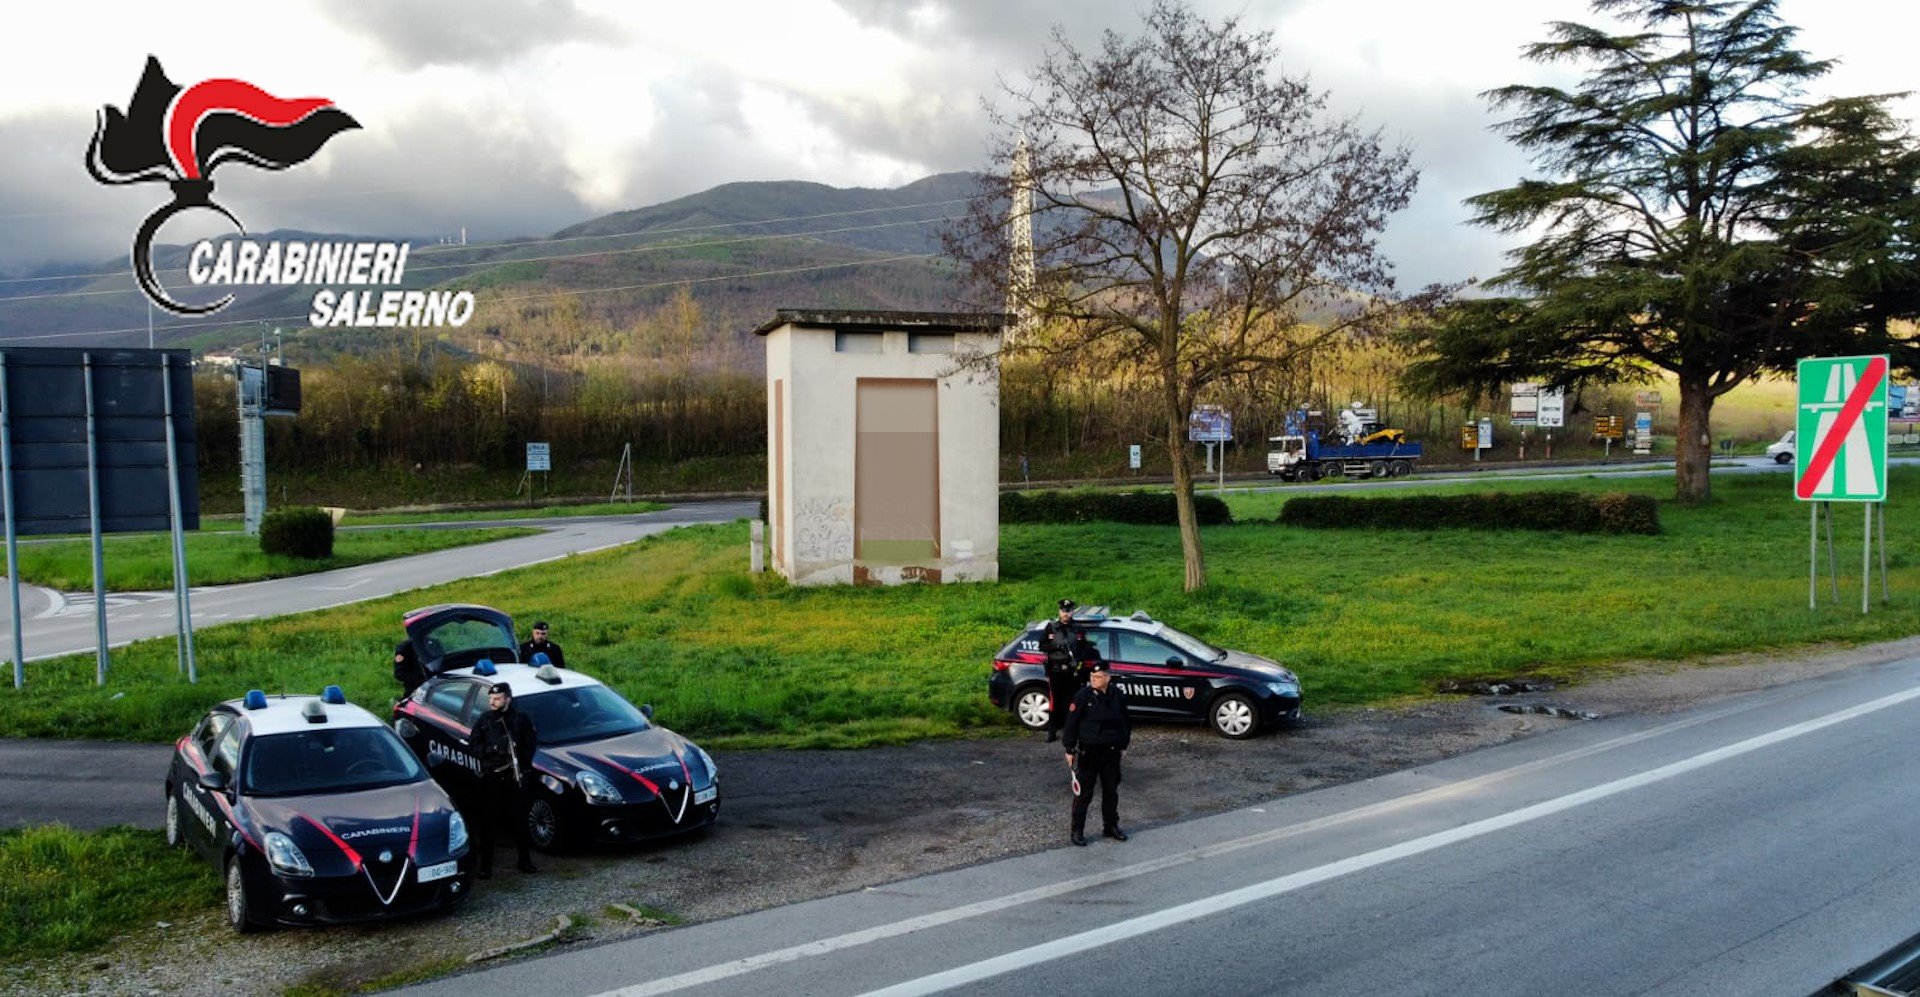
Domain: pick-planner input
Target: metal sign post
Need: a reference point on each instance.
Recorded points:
(93, 512)
(13, 544)
(182, 601)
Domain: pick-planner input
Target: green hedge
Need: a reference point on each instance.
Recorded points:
(305, 533)
(1138, 508)
(1572, 512)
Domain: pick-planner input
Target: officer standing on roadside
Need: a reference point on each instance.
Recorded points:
(503, 740)
(1096, 735)
(1062, 641)
(541, 645)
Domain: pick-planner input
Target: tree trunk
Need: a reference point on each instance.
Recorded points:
(1183, 491)
(1693, 443)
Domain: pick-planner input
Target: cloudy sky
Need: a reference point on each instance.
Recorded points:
(518, 117)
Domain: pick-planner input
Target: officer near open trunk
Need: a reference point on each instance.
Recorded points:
(1097, 734)
(503, 739)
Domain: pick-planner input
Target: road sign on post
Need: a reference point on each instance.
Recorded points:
(1553, 408)
(539, 458)
(1842, 421)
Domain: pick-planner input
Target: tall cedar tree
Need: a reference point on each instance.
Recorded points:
(1190, 210)
(1699, 218)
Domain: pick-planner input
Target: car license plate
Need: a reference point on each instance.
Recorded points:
(429, 873)
(706, 795)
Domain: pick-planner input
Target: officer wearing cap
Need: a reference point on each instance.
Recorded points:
(1065, 646)
(541, 645)
(504, 741)
(1096, 734)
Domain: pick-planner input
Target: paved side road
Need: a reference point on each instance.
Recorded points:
(57, 625)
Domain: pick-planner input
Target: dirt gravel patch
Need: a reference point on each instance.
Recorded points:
(803, 824)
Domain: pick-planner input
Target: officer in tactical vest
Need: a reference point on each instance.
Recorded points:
(503, 740)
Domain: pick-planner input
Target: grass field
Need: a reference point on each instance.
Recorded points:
(1364, 616)
(66, 892)
(144, 562)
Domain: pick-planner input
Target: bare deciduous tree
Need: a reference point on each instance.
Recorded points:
(1194, 211)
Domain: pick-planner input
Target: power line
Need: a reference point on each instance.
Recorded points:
(546, 259)
(527, 297)
(438, 249)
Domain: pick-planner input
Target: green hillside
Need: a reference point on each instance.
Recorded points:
(743, 249)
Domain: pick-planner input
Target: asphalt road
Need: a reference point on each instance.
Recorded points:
(95, 784)
(57, 624)
(1762, 845)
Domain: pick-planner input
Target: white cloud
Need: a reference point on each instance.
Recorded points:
(518, 117)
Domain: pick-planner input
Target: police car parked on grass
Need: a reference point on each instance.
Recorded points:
(1164, 673)
(315, 813)
(606, 771)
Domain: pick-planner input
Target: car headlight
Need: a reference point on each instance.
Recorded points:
(713, 770)
(597, 788)
(284, 856)
(456, 834)
(1284, 688)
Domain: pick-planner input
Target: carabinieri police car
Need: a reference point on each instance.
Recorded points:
(1164, 673)
(315, 813)
(606, 771)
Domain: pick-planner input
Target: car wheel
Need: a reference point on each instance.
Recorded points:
(1033, 707)
(543, 824)
(174, 840)
(239, 914)
(1402, 468)
(1331, 469)
(1233, 716)
(1379, 469)
(1783, 458)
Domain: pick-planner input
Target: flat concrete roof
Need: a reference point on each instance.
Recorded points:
(844, 320)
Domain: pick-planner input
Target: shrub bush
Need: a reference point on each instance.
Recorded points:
(1571, 512)
(1137, 508)
(305, 533)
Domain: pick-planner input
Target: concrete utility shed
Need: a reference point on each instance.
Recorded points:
(883, 456)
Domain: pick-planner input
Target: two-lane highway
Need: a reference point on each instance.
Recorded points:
(1761, 846)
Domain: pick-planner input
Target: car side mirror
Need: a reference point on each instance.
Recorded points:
(216, 781)
(405, 729)
(646, 710)
(1176, 662)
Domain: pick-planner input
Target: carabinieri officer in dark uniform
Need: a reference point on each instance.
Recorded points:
(503, 739)
(1096, 734)
(1060, 641)
(541, 645)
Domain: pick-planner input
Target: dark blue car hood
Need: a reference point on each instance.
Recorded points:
(652, 760)
(409, 820)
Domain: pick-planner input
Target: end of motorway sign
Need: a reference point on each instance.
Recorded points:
(1842, 426)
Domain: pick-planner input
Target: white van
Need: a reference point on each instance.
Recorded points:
(1782, 452)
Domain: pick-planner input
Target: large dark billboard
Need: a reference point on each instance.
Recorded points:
(46, 410)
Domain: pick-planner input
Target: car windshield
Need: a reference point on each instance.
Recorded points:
(1190, 644)
(583, 713)
(328, 760)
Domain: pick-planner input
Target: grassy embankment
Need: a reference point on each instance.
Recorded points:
(1366, 617)
(144, 562)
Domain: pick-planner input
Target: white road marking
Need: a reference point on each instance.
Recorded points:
(1146, 923)
(1259, 891)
